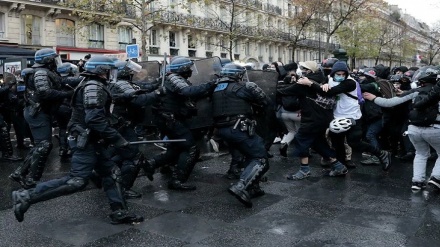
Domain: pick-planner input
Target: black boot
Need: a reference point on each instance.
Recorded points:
(21, 203)
(149, 168)
(233, 172)
(239, 191)
(255, 191)
(175, 184)
(122, 216)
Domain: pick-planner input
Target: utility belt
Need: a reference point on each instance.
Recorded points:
(241, 122)
(81, 136)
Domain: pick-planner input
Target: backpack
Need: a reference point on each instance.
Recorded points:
(290, 103)
(359, 97)
(423, 117)
(386, 88)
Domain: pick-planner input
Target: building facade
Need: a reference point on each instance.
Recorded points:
(260, 35)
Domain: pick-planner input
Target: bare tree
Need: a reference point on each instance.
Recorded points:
(337, 12)
(138, 13)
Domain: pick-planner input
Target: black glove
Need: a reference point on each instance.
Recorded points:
(213, 83)
(161, 91)
(120, 142)
(68, 94)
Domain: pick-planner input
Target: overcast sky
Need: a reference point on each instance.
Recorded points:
(424, 10)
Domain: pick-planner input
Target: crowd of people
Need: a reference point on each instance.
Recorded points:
(327, 108)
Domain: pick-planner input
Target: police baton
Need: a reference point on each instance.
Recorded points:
(157, 141)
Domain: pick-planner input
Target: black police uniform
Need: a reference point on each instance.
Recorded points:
(43, 96)
(232, 111)
(5, 139)
(125, 111)
(170, 116)
(88, 126)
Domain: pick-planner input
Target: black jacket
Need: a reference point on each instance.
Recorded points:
(314, 118)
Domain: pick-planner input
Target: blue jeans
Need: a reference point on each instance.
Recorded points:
(373, 131)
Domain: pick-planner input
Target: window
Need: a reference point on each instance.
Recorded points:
(236, 57)
(153, 37)
(236, 47)
(222, 45)
(31, 30)
(172, 37)
(208, 43)
(65, 30)
(191, 42)
(192, 53)
(2, 26)
(223, 55)
(247, 49)
(209, 54)
(260, 49)
(125, 37)
(96, 36)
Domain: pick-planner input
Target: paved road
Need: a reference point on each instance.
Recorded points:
(367, 208)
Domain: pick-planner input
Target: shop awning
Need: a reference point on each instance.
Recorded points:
(10, 51)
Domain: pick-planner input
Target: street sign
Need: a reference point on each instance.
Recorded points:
(132, 51)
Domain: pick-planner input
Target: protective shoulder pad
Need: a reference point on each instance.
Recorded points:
(95, 96)
(122, 87)
(41, 81)
(256, 90)
(176, 83)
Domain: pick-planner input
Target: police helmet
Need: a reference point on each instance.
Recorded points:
(395, 78)
(67, 69)
(99, 65)
(181, 65)
(233, 71)
(426, 74)
(46, 56)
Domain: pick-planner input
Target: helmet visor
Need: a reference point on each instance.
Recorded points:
(113, 75)
(194, 69)
(134, 66)
(58, 61)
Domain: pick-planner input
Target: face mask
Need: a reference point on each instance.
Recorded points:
(338, 78)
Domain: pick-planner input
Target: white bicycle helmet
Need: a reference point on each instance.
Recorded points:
(339, 125)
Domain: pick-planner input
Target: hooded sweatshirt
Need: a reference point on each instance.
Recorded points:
(346, 106)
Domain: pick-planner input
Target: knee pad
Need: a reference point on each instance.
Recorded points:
(259, 168)
(44, 147)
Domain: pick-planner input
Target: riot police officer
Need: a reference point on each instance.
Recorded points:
(70, 79)
(129, 101)
(43, 96)
(7, 98)
(90, 133)
(233, 101)
(171, 115)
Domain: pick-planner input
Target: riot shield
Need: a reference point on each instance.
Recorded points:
(150, 72)
(9, 79)
(266, 80)
(208, 69)
(267, 122)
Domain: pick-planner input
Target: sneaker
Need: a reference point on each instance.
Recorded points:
(20, 202)
(214, 145)
(435, 182)
(431, 191)
(300, 175)
(372, 160)
(338, 170)
(385, 159)
(366, 155)
(417, 186)
(277, 140)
